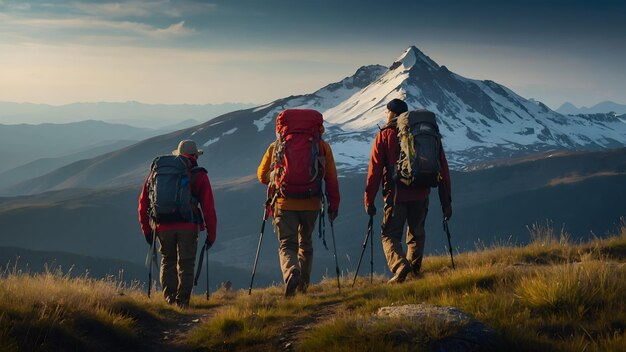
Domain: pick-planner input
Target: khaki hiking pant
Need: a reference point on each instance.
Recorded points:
(295, 245)
(414, 214)
(178, 258)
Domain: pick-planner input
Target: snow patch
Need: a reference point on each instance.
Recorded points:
(262, 107)
(211, 141)
(262, 122)
(196, 131)
(230, 131)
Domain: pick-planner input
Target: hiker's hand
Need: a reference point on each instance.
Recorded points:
(209, 243)
(148, 238)
(447, 212)
(370, 210)
(332, 215)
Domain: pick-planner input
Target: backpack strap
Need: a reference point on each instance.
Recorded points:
(194, 172)
(321, 160)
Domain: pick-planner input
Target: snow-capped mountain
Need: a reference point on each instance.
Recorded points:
(479, 121)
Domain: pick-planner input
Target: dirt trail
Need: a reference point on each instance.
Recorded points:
(168, 335)
(291, 336)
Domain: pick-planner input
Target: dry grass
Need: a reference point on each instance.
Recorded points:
(52, 311)
(552, 295)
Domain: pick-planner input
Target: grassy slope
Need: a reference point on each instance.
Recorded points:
(550, 295)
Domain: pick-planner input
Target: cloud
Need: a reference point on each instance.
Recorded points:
(144, 9)
(86, 23)
(177, 29)
(19, 6)
(115, 22)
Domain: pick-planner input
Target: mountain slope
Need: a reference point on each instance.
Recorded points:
(479, 120)
(553, 295)
(21, 144)
(488, 202)
(43, 166)
(234, 144)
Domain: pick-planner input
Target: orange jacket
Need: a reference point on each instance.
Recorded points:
(315, 203)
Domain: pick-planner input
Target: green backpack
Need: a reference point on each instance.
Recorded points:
(419, 156)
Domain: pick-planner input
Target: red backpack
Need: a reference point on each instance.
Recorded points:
(299, 161)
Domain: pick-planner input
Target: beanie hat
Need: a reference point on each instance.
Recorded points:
(187, 147)
(397, 106)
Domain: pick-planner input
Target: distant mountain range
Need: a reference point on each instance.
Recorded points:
(132, 113)
(28, 151)
(479, 120)
(601, 108)
(23, 143)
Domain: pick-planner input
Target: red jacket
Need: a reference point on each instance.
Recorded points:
(201, 189)
(384, 155)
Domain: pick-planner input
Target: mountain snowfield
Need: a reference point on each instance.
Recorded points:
(479, 120)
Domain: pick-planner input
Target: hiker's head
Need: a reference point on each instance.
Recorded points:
(188, 147)
(395, 108)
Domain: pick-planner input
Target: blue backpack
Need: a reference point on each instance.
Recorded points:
(169, 190)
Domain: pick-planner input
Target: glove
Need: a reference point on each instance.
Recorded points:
(370, 210)
(148, 238)
(209, 243)
(332, 215)
(447, 212)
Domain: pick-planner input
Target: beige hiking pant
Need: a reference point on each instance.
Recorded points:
(178, 258)
(295, 245)
(414, 214)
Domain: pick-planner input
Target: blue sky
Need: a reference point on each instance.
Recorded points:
(197, 52)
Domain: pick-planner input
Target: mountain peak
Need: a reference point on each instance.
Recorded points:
(411, 57)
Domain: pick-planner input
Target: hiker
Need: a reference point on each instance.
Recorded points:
(168, 206)
(293, 167)
(404, 203)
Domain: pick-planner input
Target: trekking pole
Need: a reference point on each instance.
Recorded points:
(150, 258)
(204, 251)
(321, 227)
(332, 230)
(367, 235)
(447, 230)
(371, 254)
(258, 248)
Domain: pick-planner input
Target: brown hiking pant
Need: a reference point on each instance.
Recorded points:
(178, 257)
(296, 247)
(414, 214)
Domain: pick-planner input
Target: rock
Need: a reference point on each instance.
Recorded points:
(470, 335)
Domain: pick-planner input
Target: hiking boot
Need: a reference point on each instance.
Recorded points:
(182, 304)
(292, 283)
(170, 300)
(400, 276)
(302, 287)
(416, 273)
